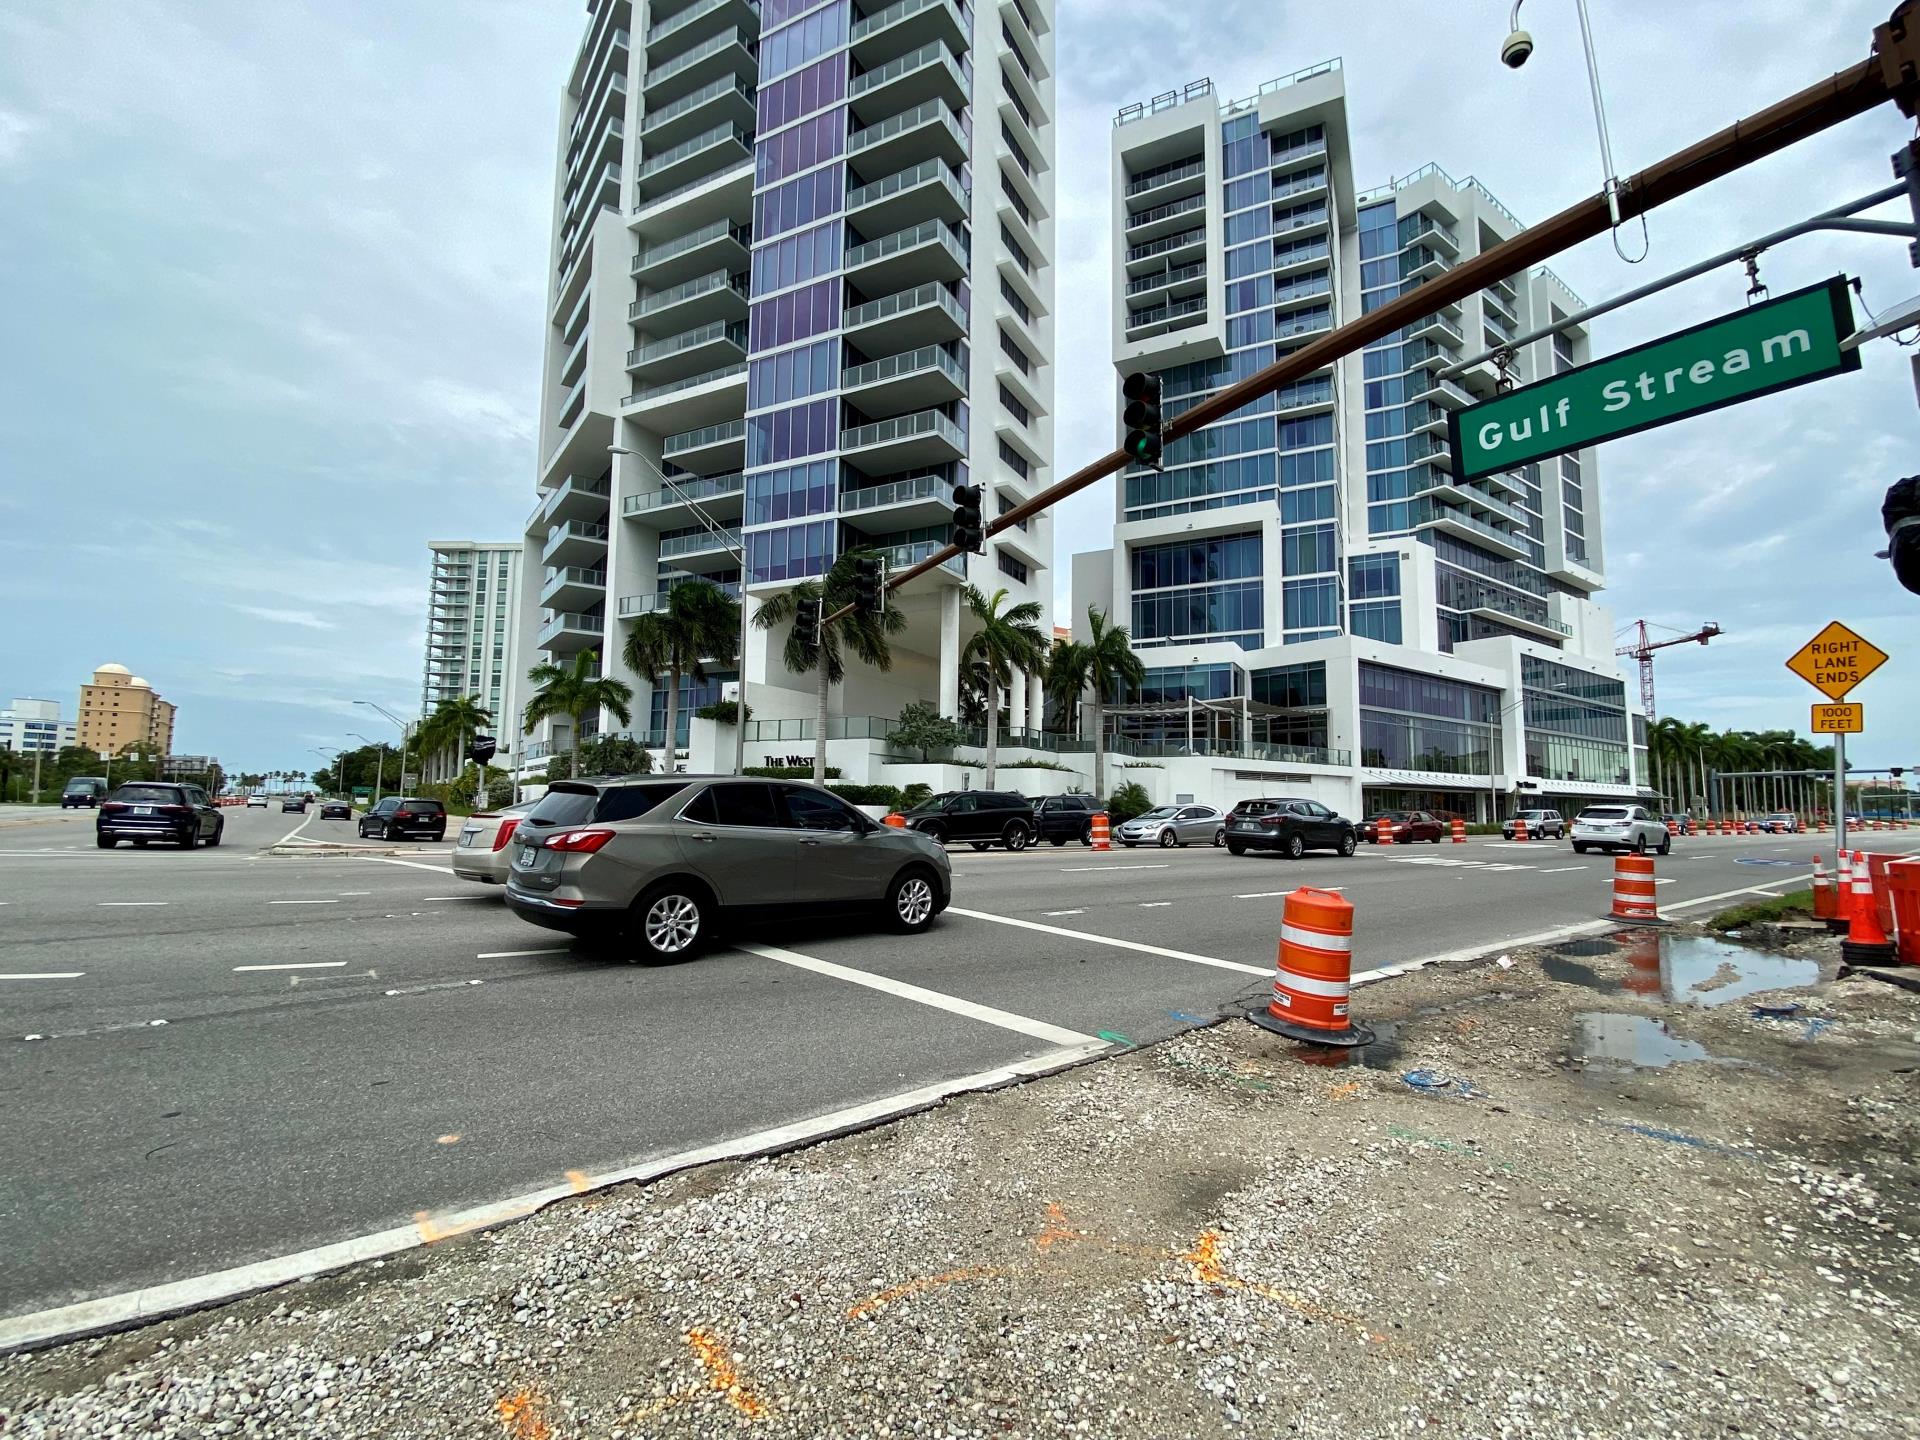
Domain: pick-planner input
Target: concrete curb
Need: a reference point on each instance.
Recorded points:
(156, 1302)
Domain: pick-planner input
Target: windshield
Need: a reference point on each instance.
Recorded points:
(1161, 812)
(933, 802)
(1603, 812)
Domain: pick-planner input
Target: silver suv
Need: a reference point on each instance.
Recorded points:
(1620, 827)
(657, 863)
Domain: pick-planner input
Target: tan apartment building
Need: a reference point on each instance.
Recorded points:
(118, 709)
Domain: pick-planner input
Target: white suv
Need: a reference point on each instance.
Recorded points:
(1620, 827)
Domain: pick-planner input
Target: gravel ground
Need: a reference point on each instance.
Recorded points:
(1206, 1238)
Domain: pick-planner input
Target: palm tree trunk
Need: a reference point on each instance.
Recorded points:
(993, 723)
(673, 719)
(573, 753)
(820, 719)
(1099, 754)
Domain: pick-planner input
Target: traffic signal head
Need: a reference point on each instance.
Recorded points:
(1142, 417)
(1900, 512)
(869, 585)
(967, 531)
(806, 623)
(483, 749)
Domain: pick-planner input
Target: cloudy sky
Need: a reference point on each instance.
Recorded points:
(272, 283)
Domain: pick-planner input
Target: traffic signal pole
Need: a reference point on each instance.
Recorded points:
(1890, 73)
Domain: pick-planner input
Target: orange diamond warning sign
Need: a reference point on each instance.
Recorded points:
(1836, 660)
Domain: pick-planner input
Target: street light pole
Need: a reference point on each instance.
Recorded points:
(406, 731)
(740, 554)
(379, 762)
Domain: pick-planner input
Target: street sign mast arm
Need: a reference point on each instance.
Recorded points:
(1891, 73)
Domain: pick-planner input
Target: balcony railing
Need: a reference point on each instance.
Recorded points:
(712, 90)
(1166, 243)
(900, 557)
(685, 488)
(660, 29)
(687, 59)
(557, 576)
(570, 622)
(874, 371)
(932, 293)
(655, 301)
(1167, 175)
(904, 427)
(926, 110)
(880, 19)
(1167, 277)
(672, 387)
(692, 240)
(904, 179)
(894, 492)
(727, 431)
(923, 233)
(648, 604)
(934, 51)
(699, 543)
(732, 331)
(576, 530)
(687, 149)
(1175, 310)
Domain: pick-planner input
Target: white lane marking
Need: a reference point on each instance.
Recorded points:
(1063, 912)
(938, 1000)
(1151, 904)
(1281, 894)
(1663, 882)
(1766, 889)
(46, 975)
(1082, 869)
(1564, 870)
(1473, 952)
(464, 897)
(301, 965)
(516, 954)
(1109, 940)
(352, 893)
(130, 904)
(117, 1311)
(303, 902)
(412, 864)
(305, 821)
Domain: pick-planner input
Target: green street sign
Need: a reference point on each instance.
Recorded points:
(1766, 347)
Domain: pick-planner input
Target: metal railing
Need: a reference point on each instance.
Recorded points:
(654, 301)
(727, 431)
(700, 543)
(932, 293)
(1167, 277)
(693, 100)
(669, 387)
(569, 622)
(687, 59)
(1175, 310)
(743, 171)
(926, 110)
(1167, 175)
(575, 530)
(691, 487)
(648, 604)
(557, 577)
(732, 331)
(895, 492)
(911, 361)
(1166, 243)
(692, 240)
(1183, 206)
(660, 29)
(923, 233)
(688, 148)
(930, 53)
(898, 11)
(904, 427)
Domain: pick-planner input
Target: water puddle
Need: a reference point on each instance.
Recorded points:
(1682, 969)
(1382, 1054)
(1630, 1042)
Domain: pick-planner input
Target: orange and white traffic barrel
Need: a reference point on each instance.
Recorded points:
(1842, 893)
(1102, 839)
(1459, 828)
(1313, 973)
(896, 820)
(1520, 827)
(1383, 831)
(1633, 891)
(1824, 906)
(1903, 882)
(1866, 942)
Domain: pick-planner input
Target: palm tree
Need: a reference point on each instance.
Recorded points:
(576, 692)
(1006, 641)
(1066, 681)
(865, 635)
(451, 722)
(700, 622)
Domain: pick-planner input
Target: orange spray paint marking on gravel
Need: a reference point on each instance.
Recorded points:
(922, 1285)
(721, 1374)
(1207, 1267)
(522, 1415)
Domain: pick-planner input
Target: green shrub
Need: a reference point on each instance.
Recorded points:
(1126, 802)
(887, 795)
(915, 794)
(789, 772)
(723, 711)
(1035, 765)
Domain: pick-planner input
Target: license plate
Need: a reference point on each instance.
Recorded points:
(143, 809)
(538, 859)
(468, 835)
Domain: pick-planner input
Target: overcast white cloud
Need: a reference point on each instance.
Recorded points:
(273, 280)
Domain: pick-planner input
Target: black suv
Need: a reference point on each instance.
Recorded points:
(1061, 818)
(982, 818)
(148, 810)
(1290, 826)
(395, 818)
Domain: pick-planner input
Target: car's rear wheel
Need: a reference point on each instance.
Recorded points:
(218, 831)
(1086, 833)
(1639, 844)
(1433, 839)
(1666, 846)
(105, 842)
(1016, 836)
(1296, 847)
(1167, 838)
(1234, 847)
(1220, 837)
(190, 839)
(912, 901)
(1578, 848)
(671, 921)
(1347, 844)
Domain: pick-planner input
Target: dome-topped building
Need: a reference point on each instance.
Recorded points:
(118, 708)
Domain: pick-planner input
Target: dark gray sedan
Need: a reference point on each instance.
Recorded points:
(657, 864)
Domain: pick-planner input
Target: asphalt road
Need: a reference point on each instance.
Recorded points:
(236, 1055)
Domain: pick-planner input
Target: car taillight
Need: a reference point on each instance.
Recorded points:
(579, 842)
(174, 809)
(504, 833)
(112, 807)
(1270, 820)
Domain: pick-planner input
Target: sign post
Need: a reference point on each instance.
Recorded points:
(1833, 662)
(1752, 352)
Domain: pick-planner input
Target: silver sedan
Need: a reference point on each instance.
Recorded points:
(485, 851)
(1170, 825)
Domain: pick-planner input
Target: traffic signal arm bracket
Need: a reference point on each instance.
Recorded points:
(1891, 73)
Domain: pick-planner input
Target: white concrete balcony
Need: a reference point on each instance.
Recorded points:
(710, 447)
(1300, 257)
(693, 159)
(928, 131)
(1305, 397)
(1438, 234)
(701, 551)
(730, 52)
(1423, 262)
(689, 25)
(897, 29)
(717, 295)
(1427, 418)
(931, 188)
(1168, 219)
(569, 632)
(568, 587)
(690, 352)
(931, 72)
(912, 380)
(933, 250)
(574, 498)
(1173, 283)
(925, 315)
(1548, 629)
(575, 542)
(1311, 221)
(951, 571)
(1167, 182)
(1171, 315)
(1463, 526)
(918, 441)
(719, 244)
(672, 507)
(910, 503)
(704, 398)
(1167, 252)
(725, 194)
(727, 100)
(632, 605)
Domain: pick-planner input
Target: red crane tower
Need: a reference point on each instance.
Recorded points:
(1643, 652)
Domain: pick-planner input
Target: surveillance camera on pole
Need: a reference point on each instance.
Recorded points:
(1517, 50)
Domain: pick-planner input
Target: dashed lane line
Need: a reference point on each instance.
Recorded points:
(1161, 950)
(1282, 894)
(1154, 904)
(129, 904)
(299, 965)
(938, 1000)
(1084, 869)
(1063, 912)
(459, 897)
(45, 975)
(1565, 870)
(446, 869)
(516, 954)
(303, 902)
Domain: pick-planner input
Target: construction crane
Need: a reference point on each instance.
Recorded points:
(1643, 652)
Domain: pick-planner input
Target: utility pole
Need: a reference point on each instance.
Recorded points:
(1890, 73)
